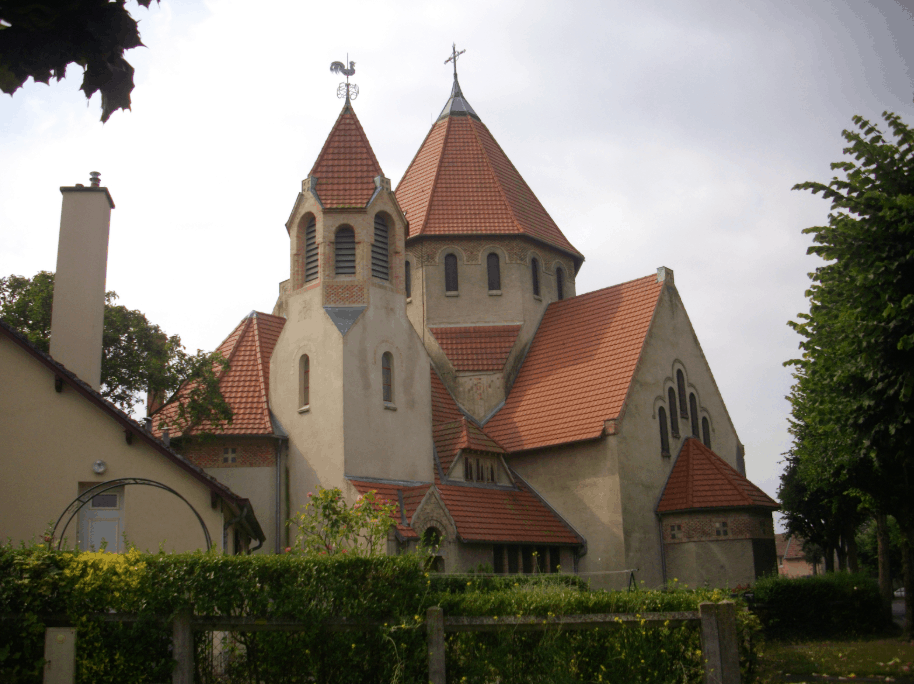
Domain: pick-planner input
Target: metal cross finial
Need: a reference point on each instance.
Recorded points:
(453, 57)
(347, 90)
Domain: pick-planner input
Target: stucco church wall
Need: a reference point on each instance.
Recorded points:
(671, 345)
(258, 485)
(581, 482)
(724, 564)
(50, 441)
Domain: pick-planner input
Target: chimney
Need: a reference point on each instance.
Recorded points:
(78, 313)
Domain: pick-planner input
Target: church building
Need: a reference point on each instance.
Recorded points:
(431, 345)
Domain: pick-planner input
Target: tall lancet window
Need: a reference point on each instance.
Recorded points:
(560, 285)
(304, 381)
(493, 265)
(409, 279)
(674, 419)
(535, 270)
(312, 263)
(664, 435)
(706, 432)
(345, 251)
(380, 249)
(693, 409)
(680, 385)
(450, 273)
(387, 376)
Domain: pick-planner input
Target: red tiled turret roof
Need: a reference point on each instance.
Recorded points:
(246, 385)
(579, 368)
(462, 183)
(346, 167)
(702, 479)
(477, 348)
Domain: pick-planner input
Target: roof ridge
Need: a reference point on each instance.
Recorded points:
(501, 191)
(578, 297)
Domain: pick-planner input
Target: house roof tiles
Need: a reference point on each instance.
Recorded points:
(702, 479)
(477, 348)
(579, 367)
(346, 166)
(412, 497)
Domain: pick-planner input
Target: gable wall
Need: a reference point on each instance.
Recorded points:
(50, 441)
(671, 343)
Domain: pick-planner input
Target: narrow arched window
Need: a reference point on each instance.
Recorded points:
(664, 435)
(693, 409)
(387, 376)
(304, 381)
(706, 432)
(450, 273)
(467, 469)
(560, 284)
(674, 419)
(345, 251)
(680, 385)
(535, 270)
(380, 249)
(493, 265)
(409, 279)
(312, 263)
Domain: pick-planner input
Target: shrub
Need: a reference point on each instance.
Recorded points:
(821, 606)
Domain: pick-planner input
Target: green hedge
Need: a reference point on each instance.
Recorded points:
(822, 606)
(393, 590)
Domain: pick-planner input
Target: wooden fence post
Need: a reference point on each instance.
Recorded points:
(182, 648)
(434, 623)
(719, 647)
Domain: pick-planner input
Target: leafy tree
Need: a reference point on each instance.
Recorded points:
(137, 356)
(327, 525)
(856, 373)
(40, 38)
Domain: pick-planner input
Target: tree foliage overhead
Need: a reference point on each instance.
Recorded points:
(40, 38)
(137, 356)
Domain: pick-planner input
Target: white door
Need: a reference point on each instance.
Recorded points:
(101, 522)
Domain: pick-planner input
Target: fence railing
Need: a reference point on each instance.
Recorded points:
(719, 641)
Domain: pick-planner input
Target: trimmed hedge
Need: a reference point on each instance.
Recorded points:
(393, 590)
(828, 605)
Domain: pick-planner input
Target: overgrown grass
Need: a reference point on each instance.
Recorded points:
(880, 656)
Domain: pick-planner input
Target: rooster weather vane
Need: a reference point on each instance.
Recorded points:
(348, 90)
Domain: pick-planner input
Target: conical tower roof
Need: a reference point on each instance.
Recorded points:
(461, 183)
(346, 167)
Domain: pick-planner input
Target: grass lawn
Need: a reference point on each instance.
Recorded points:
(880, 656)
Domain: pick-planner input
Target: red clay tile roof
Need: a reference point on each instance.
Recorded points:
(504, 515)
(451, 437)
(477, 348)
(462, 183)
(702, 479)
(346, 167)
(578, 370)
(412, 497)
(789, 547)
(246, 385)
(444, 408)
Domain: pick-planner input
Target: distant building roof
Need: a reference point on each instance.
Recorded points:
(702, 479)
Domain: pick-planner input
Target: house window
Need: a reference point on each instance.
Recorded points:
(542, 559)
(229, 455)
(102, 501)
(535, 273)
(304, 381)
(380, 249)
(675, 531)
(693, 409)
(674, 419)
(479, 475)
(409, 280)
(680, 385)
(513, 564)
(555, 559)
(345, 251)
(450, 273)
(664, 437)
(706, 432)
(493, 265)
(490, 476)
(467, 469)
(387, 376)
(312, 262)
(560, 284)
(720, 529)
(498, 558)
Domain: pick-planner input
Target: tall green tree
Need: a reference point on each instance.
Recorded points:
(856, 372)
(137, 356)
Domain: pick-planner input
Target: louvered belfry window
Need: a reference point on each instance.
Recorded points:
(312, 263)
(380, 249)
(450, 273)
(560, 284)
(345, 251)
(535, 267)
(693, 409)
(674, 419)
(493, 264)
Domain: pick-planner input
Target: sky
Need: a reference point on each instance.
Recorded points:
(655, 134)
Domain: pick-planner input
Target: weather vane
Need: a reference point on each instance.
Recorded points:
(453, 57)
(347, 90)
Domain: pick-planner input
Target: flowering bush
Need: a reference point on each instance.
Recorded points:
(327, 525)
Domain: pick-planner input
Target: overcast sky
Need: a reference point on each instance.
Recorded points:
(655, 134)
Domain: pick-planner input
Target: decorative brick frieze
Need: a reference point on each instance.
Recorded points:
(232, 453)
(345, 293)
(717, 526)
